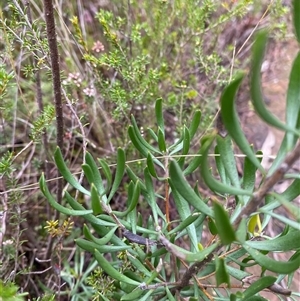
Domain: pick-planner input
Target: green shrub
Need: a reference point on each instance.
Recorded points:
(131, 59)
(162, 257)
(9, 292)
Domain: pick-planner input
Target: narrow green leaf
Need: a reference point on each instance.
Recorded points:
(288, 242)
(99, 241)
(89, 217)
(111, 271)
(132, 201)
(195, 124)
(227, 157)
(236, 273)
(121, 161)
(212, 226)
(225, 230)
(199, 256)
(210, 181)
(65, 172)
(141, 139)
(138, 265)
(151, 166)
(258, 286)
(188, 221)
(57, 206)
(87, 233)
(199, 223)
(152, 134)
(134, 178)
(152, 277)
(289, 195)
(184, 212)
(103, 297)
(170, 295)
(292, 176)
(102, 231)
(249, 176)
(147, 295)
(144, 230)
(97, 179)
(283, 219)
(292, 191)
(91, 246)
(159, 114)
(133, 275)
(90, 177)
(107, 172)
(296, 18)
(140, 147)
(289, 140)
(186, 145)
(132, 218)
(231, 121)
(258, 50)
(176, 147)
(95, 201)
(220, 167)
(161, 141)
(186, 140)
(222, 275)
(241, 232)
(88, 173)
(272, 265)
(184, 189)
(137, 144)
(294, 210)
(283, 150)
(290, 280)
(194, 164)
(134, 295)
(151, 193)
(127, 288)
(293, 101)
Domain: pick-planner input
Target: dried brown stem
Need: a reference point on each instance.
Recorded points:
(51, 36)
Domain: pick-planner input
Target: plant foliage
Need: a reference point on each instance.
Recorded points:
(136, 253)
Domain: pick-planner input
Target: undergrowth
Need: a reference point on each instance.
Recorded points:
(115, 61)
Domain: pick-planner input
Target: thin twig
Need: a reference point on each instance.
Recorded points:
(255, 27)
(84, 141)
